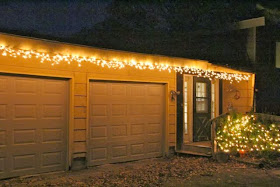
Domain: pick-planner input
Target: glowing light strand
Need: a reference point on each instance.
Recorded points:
(56, 59)
(246, 134)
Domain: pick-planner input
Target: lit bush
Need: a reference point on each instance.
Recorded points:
(246, 133)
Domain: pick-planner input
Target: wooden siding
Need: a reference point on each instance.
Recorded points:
(245, 90)
(80, 76)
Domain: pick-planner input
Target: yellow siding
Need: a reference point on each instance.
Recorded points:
(80, 77)
(245, 91)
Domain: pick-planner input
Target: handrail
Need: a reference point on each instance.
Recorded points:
(269, 116)
(213, 133)
(218, 117)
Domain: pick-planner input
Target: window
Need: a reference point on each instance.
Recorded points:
(201, 97)
(277, 55)
(212, 100)
(185, 107)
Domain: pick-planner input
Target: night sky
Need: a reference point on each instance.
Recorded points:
(63, 18)
(57, 18)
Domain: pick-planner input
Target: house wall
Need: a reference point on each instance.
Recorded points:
(79, 78)
(238, 96)
(267, 74)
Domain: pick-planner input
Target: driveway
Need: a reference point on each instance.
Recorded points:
(175, 171)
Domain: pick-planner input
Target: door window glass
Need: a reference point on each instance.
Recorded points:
(201, 97)
(185, 107)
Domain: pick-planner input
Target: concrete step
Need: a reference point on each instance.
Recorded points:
(194, 153)
(197, 148)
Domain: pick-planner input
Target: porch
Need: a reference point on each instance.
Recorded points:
(200, 102)
(210, 148)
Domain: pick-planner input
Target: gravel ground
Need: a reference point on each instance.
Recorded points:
(175, 171)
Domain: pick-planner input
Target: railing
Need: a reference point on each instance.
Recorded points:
(268, 117)
(213, 123)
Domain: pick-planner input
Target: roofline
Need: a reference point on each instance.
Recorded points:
(98, 48)
(180, 60)
(235, 68)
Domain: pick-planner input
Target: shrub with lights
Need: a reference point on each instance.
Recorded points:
(247, 133)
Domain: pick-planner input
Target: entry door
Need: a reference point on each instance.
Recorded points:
(202, 109)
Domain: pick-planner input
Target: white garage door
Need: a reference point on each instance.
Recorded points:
(126, 121)
(33, 121)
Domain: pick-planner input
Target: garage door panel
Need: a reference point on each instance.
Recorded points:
(50, 100)
(118, 90)
(119, 131)
(137, 148)
(126, 121)
(24, 136)
(99, 154)
(120, 150)
(117, 120)
(154, 119)
(3, 152)
(52, 88)
(99, 89)
(153, 138)
(17, 149)
(2, 164)
(137, 129)
(119, 109)
(53, 147)
(3, 138)
(4, 82)
(153, 109)
(99, 121)
(33, 121)
(100, 132)
(34, 124)
(53, 111)
(137, 91)
(53, 135)
(104, 100)
(100, 110)
(52, 159)
(26, 86)
(25, 111)
(138, 119)
(154, 147)
(154, 128)
(136, 109)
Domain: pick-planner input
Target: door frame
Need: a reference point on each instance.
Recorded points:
(181, 137)
(165, 132)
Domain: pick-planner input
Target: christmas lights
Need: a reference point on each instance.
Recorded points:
(55, 59)
(246, 133)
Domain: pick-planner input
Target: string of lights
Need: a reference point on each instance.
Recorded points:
(56, 59)
(247, 134)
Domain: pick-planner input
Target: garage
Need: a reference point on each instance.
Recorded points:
(126, 122)
(33, 125)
